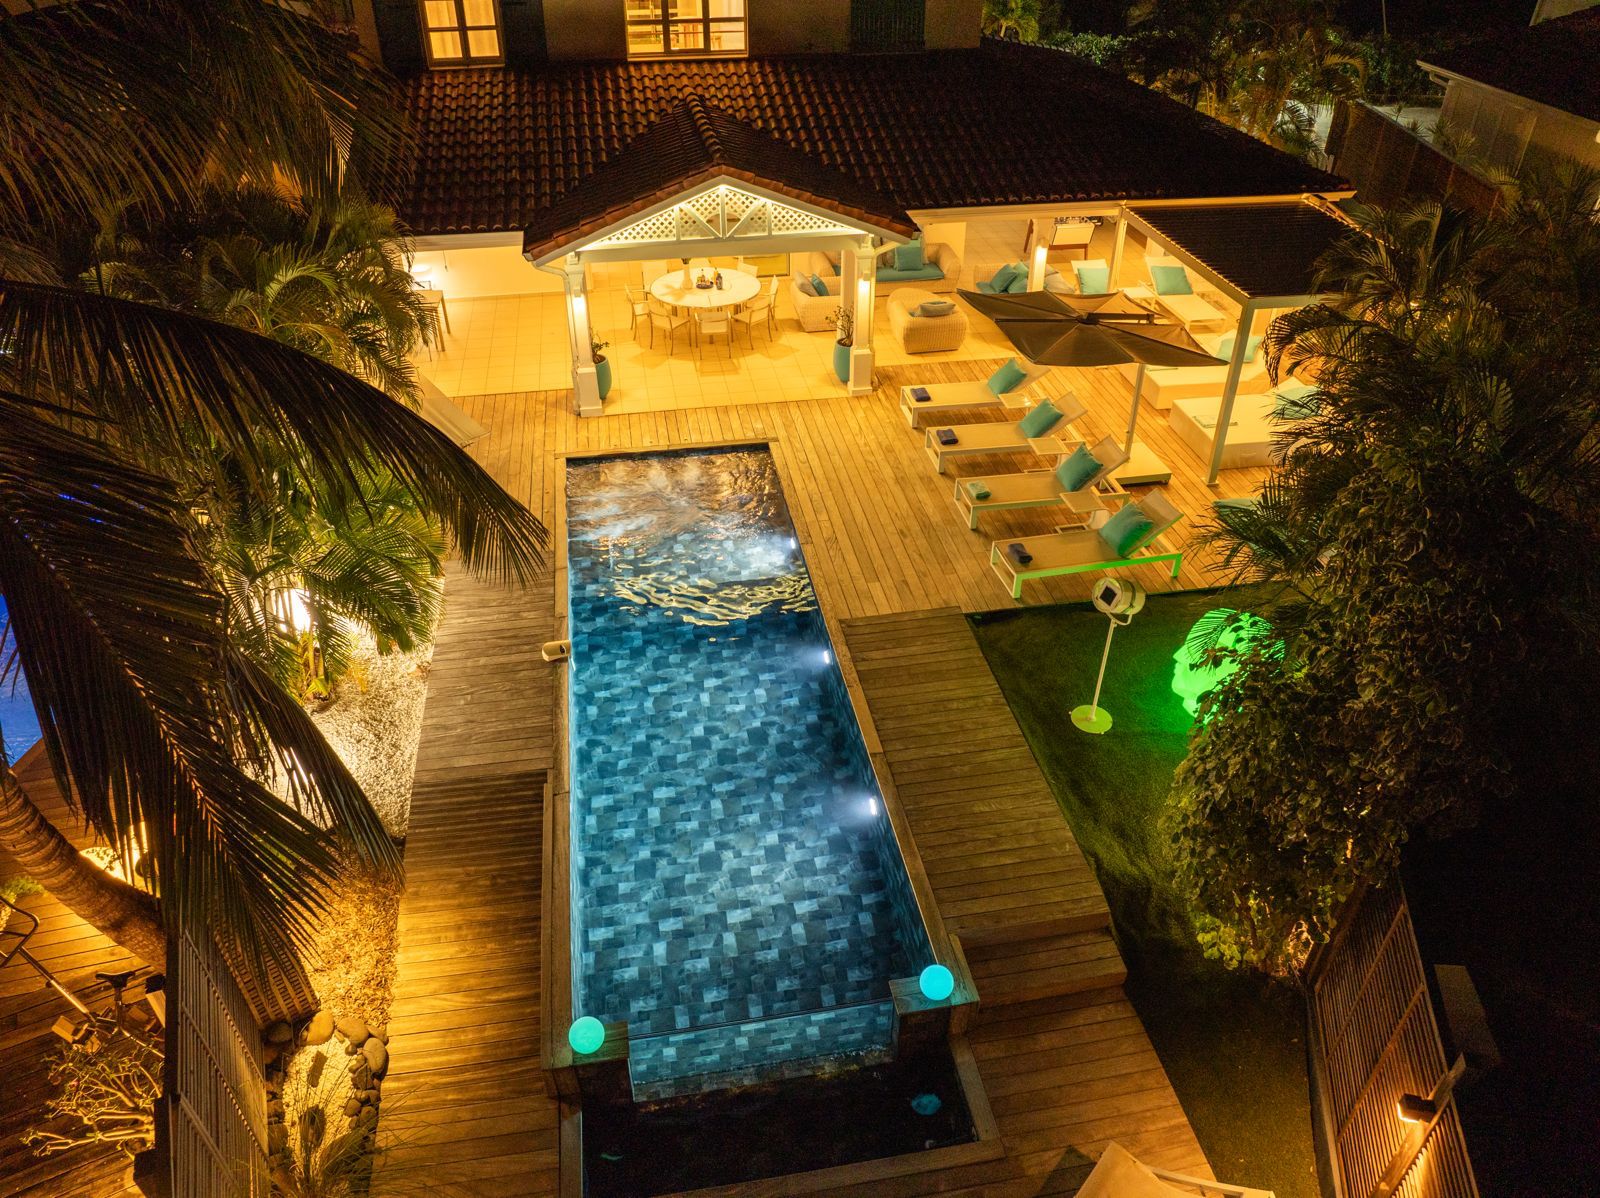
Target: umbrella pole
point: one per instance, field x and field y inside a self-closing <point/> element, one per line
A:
<point x="1133" y="409"/>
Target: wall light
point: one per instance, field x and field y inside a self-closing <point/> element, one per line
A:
<point x="1413" y="1108"/>
<point x="1039" y="252"/>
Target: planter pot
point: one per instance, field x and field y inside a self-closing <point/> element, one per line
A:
<point x="841" y="361"/>
<point x="602" y="376"/>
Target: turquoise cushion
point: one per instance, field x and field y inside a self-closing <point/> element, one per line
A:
<point x="836" y="269"/>
<point x="978" y="490"/>
<point x="1040" y="420"/>
<point x="1123" y="532"/>
<point x="1092" y="280"/>
<point x="935" y="308"/>
<point x="820" y="287"/>
<point x="1001" y="279"/>
<point x="909" y="255"/>
<point x="1171" y="280"/>
<point x="1018" y="285"/>
<point x="1225" y="347"/>
<point x="891" y="274"/>
<point x="1007" y="377"/>
<point x="1077" y="470"/>
<point x="1294" y="401"/>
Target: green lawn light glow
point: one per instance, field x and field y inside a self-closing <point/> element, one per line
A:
<point x="1208" y="657"/>
<point x="936" y="983"/>
<point x="586" y="1035"/>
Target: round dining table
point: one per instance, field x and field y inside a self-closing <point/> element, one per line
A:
<point x="737" y="287"/>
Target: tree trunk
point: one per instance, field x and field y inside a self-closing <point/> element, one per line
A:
<point x="122" y="912"/>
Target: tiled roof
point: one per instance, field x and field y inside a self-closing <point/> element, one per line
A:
<point x="692" y="144"/>
<point x="1262" y="249"/>
<point x="1000" y="124"/>
<point x="1554" y="62"/>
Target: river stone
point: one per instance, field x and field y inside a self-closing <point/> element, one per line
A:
<point x="318" y="1030"/>
<point x="360" y="1074"/>
<point x="377" y="1056"/>
<point x="381" y="1033"/>
<point x="369" y="1095"/>
<point x="353" y="1028"/>
<point x="277" y="1136"/>
<point x="279" y="1033"/>
<point x="352" y="1107"/>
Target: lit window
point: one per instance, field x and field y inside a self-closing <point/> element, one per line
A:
<point x="686" y="27"/>
<point x="462" y="32"/>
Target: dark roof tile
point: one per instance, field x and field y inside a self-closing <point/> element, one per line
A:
<point x="1001" y="124"/>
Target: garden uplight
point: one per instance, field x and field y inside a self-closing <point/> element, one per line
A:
<point x="586" y="1035"/>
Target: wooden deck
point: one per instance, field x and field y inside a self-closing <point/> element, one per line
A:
<point x="464" y="1106"/>
<point x="74" y="952"/>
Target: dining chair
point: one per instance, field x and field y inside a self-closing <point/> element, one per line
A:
<point x="753" y="312"/>
<point x="710" y="324"/>
<point x="772" y="307"/>
<point x="668" y="321"/>
<point x="637" y="306"/>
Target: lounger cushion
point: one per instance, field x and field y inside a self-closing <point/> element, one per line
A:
<point x="1078" y="469"/>
<point x="1007" y="377"/>
<point x="1040" y="421"/>
<point x="1170" y="279"/>
<point x="1123" y="532"/>
<point x="818" y="285"/>
<point x="909" y="255"/>
<point x="1251" y="347"/>
<point x="1001" y="279"/>
<point x="1294" y="401"/>
<point x="1092" y="280"/>
<point x="927" y="272"/>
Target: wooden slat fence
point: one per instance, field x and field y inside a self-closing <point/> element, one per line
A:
<point x="1390" y="164"/>
<point x="1376" y="1039"/>
<point x="212" y="1120"/>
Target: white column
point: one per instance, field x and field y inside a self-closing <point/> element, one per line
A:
<point x="585" y="385"/>
<point x="1117" y="246"/>
<point x="1042" y="232"/>
<point x="1230" y="390"/>
<point x="863" y="296"/>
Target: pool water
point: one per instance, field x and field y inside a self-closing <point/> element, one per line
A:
<point x="738" y="896"/>
<point x="19" y="726"/>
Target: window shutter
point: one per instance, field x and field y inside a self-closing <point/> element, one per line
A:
<point x="887" y="26"/>
<point x="522" y="25"/>
<point x="399" y="34"/>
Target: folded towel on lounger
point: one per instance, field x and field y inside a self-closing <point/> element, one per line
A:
<point x="1018" y="553"/>
<point x="947" y="436"/>
<point x="920" y="395"/>
<point x="978" y="490"/>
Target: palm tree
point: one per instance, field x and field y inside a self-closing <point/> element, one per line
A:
<point x="160" y="727"/>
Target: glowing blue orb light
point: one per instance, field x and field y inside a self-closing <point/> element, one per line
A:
<point x="937" y="983"/>
<point x="926" y="1104"/>
<point x="586" y="1035"/>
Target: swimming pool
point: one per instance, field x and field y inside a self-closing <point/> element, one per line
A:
<point x="18" y="724"/>
<point x="737" y="893"/>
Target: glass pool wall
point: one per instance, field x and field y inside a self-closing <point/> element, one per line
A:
<point x="738" y="895"/>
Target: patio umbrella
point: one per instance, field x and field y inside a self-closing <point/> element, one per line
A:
<point x="1091" y="330"/>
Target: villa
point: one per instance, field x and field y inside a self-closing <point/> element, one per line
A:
<point x="730" y="801"/>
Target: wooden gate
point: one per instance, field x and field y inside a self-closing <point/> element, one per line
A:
<point x="1374" y="1039"/>
<point x="211" y="1122"/>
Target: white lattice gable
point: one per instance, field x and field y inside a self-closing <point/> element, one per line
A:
<point x="721" y="217"/>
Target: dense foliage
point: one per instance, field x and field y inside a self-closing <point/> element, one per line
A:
<point x="1434" y="532"/>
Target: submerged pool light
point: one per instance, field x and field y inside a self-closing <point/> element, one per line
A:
<point x="586" y="1035"/>
<point x="936" y="983"/>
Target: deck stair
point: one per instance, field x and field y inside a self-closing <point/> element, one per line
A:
<point x="1046" y="967"/>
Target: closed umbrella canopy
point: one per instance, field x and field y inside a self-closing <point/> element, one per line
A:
<point x="1091" y="330"/>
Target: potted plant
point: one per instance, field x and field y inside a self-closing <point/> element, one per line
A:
<point x="602" y="364"/>
<point x="844" y="322"/>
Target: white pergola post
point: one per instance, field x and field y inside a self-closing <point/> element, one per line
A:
<point x="863" y="297"/>
<point x="1043" y="233"/>
<point x="585" y="383"/>
<point x="1230" y="389"/>
<point x="1117" y="245"/>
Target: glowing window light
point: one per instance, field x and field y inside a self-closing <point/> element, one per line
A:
<point x="586" y="1035"/>
<point x="936" y="983"/>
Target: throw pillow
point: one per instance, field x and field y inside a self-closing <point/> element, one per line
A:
<point x="818" y="285"/>
<point x="909" y="255"/>
<point x="1077" y="470"/>
<point x="806" y="286"/>
<point x="1018" y="285"/>
<point x="1001" y="279"/>
<point x="1007" y="377"/>
<point x="1295" y="402"/>
<point x="935" y="308"/>
<point x="1124" y="531"/>
<point x="1171" y="279"/>
<point x="1225" y="347"/>
<point x="1040" y="420"/>
<point x="1092" y="279"/>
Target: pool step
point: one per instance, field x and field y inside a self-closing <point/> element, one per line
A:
<point x="1047" y="967"/>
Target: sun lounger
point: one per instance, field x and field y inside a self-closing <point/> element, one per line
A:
<point x="1182" y="305"/>
<point x="1038" y="488"/>
<point x="1119" y="1175"/>
<point x="1165" y="385"/>
<point x="1079" y="550"/>
<point x="1253" y="429"/>
<point x="947" y="397"/>
<point x="1007" y="437"/>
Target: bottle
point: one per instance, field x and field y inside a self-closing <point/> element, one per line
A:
<point x="719" y="280"/>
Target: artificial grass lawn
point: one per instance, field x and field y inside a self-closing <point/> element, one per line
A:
<point x="1232" y="1043"/>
